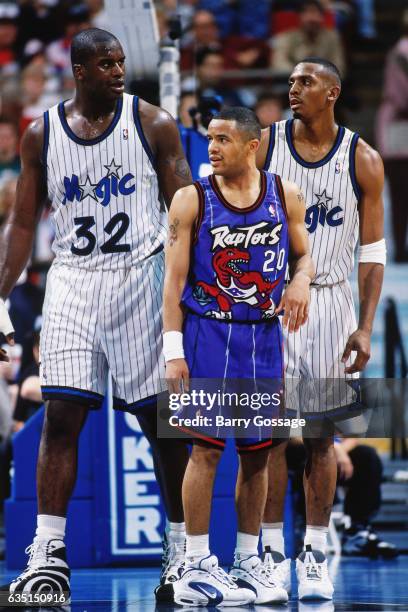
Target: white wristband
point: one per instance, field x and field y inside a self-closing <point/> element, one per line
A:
<point x="173" y="345"/>
<point x="375" y="252"/>
<point x="6" y="326"/>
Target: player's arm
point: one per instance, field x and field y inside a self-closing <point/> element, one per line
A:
<point x="295" y="300"/>
<point x="372" y="253"/>
<point x="17" y="236"/>
<point x="173" y="171"/>
<point x="182" y="218"/>
<point x="263" y="148"/>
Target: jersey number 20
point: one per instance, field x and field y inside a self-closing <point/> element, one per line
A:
<point x="116" y="228"/>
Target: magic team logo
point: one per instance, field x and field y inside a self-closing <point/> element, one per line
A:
<point x="321" y="213"/>
<point x="262" y="233"/>
<point x="112" y="184"/>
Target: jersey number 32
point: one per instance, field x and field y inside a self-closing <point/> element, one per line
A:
<point x="116" y="228"/>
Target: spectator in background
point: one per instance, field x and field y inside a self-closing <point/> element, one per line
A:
<point x="268" y="109"/>
<point x="188" y="100"/>
<point x="34" y="96"/>
<point x="9" y="13"/>
<point x="360" y="473"/>
<point x="29" y="397"/>
<point x="40" y="20"/>
<point x="204" y="35"/>
<point x="58" y="53"/>
<point x="211" y="78"/>
<point x="392" y="137"/>
<point x="311" y="39"/>
<point x="98" y="15"/>
<point x="9" y="159"/>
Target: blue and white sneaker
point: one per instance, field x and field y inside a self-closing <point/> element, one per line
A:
<point x="207" y="584"/>
<point x="313" y="575"/>
<point x="253" y="572"/>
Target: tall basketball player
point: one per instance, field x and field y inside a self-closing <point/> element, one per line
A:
<point x="342" y="179"/>
<point x="231" y="236"/>
<point x="108" y="162"/>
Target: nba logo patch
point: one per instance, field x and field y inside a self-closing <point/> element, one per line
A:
<point x="337" y="168"/>
<point x="272" y="211"/>
<point x="125" y="134"/>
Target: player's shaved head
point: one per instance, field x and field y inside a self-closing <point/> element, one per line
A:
<point x="245" y="119"/>
<point x="87" y="43"/>
<point x="328" y="68"/>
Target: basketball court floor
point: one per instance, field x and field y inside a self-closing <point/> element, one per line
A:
<point x="361" y="584"/>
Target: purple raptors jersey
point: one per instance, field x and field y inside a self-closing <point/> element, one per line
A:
<point x="239" y="256"/>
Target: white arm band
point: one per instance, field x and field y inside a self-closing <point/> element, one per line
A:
<point x="173" y="345"/>
<point x="6" y="326"/>
<point x="375" y="252"/>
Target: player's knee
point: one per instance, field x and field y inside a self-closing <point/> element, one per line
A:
<point x="278" y="449"/>
<point x="319" y="446"/>
<point x="206" y="455"/>
<point x="254" y="461"/>
<point x="63" y="420"/>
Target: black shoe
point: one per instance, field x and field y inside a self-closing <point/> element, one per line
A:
<point x="47" y="572"/>
<point x="173" y="562"/>
<point x="362" y="541"/>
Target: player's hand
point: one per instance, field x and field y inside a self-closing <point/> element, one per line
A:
<point x="177" y="376"/>
<point x="344" y="464"/>
<point x="359" y="341"/>
<point x="6" y="328"/>
<point x="295" y="303"/>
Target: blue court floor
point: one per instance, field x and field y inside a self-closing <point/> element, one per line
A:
<point x="360" y="585"/>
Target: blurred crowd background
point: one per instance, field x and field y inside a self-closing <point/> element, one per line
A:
<point x="240" y="50"/>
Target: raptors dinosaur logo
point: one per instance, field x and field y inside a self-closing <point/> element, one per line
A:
<point x="233" y="285"/>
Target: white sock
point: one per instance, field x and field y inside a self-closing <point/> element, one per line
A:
<point x="316" y="537"/>
<point x="50" y="527"/>
<point x="197" y="547"/>
<point x="176" y="532"/>
<point x="272" y="536"/>
<point x="247" y="546"/>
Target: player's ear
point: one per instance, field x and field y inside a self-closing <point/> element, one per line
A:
<point x="254" y="144"/>
<point x="78" y="71"/>
<point x="334" y="93"/>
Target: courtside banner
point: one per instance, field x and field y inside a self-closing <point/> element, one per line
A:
<point x="137" y="518"/>
<point x="258" y="409"/>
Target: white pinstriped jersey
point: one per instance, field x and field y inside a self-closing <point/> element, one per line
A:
<point x="331" y="193"/>
<point x="104" y="192"/>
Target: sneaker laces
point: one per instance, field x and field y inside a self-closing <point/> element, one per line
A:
<point x="173" y="556"/>
<point x="264" y="573"/>
<point x="38" y="553"/>
<point x="223" y="577"/>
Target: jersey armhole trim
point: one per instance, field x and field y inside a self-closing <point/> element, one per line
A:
<point x="352" y="166"/>
<point x="271" y="145"/>
<point x="140" y="131"/>
<point x="46" y="139"/>
<point x="201" y="208"/>
<point x="281" y="192"/>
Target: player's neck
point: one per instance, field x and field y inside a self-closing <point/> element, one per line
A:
<point x="244" y="181"/>
<point x="315" y="132"/>
<point x="92" y="109"/>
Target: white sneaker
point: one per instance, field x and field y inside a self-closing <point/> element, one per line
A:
<point x="279" y="568"/>
<point x="47" y="572"/>
<point x="313" y="575"/>
<point x="173" y="562"/>
<point x="254" y="572"/>
<point x="207" y="584"/>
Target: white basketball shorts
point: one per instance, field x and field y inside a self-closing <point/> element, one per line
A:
<point x="96" y="322"/>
